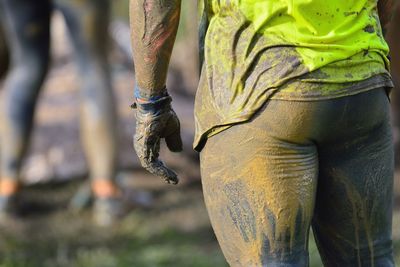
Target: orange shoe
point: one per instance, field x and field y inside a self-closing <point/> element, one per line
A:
<point x="8" y="196"/>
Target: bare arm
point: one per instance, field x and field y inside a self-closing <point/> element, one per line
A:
<point x="154" y="24"/>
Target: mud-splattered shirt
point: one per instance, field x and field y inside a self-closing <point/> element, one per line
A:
<point x="255" y="50"/>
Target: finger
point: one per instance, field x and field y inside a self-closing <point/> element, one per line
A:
<point x="146" y="143"/>
<point x="139" y="146"/>
<point x="174" y="142"/>
<point x="148" y="155"/>
<point x="173" y="134"/>
<point x="154" y="149"/>
<point x="159" y="169"/>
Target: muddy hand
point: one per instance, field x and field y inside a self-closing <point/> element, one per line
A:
<point x="155" y="119"/>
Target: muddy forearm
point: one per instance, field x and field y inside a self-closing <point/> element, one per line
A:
<point x="154" y="24"/>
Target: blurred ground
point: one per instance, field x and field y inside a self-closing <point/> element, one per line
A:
<point x="172" y="230"/>
<point x="175" y="231"/>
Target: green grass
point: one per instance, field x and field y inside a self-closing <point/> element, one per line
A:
<point x="174" y="232"/>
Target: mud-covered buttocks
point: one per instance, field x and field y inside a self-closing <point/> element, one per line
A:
<point x="298" y="165"/>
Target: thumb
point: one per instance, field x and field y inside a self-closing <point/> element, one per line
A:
<point x="173" y="134"/>
<point x="174" y="141"/>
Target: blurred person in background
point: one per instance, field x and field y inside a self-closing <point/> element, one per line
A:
<point x="395" y="41"/>
<point x="393" y="38"/>
<point x="27" y="32"/>
<point x="292" y="121"/>
<point x="4" y="60"/>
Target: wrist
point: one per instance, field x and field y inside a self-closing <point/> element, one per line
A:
<point x="146" y="95"/>
<point x="151" y="103"/>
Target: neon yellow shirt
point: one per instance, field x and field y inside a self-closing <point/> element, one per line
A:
<point x="254" y="48"/>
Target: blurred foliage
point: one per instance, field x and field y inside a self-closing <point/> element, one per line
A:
<point x="121" y="9"/>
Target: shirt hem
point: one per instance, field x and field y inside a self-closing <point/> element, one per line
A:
<point x="201" y="139"/>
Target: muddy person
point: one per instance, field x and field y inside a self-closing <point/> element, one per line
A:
<point x="394" y="43"/>
<point x="4" y="60"/>
<point x="292" y="122"/>
<point x="27" y="30"/>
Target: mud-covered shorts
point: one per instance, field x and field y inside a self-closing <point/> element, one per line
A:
<point x="326" y="164"/>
